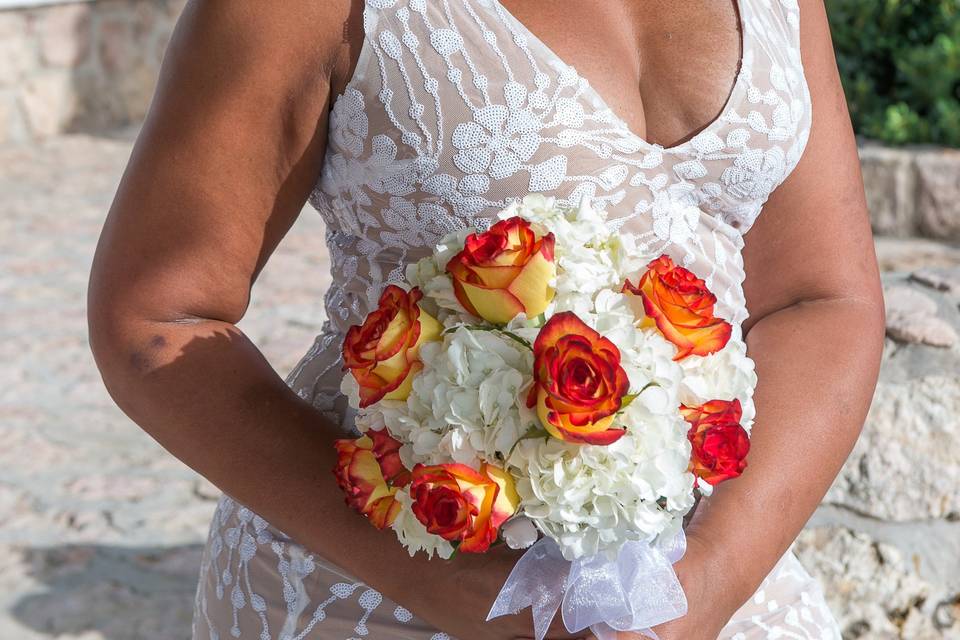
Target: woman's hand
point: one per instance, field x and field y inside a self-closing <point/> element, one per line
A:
<point x="472" y="585"/>
<point x="712" y="598"/>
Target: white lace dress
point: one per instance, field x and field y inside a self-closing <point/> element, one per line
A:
<point x="455" y="108"/>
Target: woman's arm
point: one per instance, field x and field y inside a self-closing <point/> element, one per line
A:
<point x="815" y="332"/>
<point x="228" y="155"/>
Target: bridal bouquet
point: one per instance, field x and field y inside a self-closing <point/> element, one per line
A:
<point x="546" y="385"/>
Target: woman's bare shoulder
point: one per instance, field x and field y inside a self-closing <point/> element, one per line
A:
<point x="227" y="156"/>
<point x="283" y="43"/>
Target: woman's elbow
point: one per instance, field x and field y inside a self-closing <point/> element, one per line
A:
<point x="117" y="334"/>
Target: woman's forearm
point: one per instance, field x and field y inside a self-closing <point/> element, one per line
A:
<point x="204" y="392"/>
<point x="817" y="365"/>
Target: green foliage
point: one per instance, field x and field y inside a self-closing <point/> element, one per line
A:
<point x="900" y="65"/>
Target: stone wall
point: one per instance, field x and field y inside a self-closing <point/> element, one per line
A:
<point x="81" y="66"/>
<point x="913" y="191"/>
<point x="886" y="541"/>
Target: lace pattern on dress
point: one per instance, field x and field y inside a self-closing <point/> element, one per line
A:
<point x="278" y="590"/>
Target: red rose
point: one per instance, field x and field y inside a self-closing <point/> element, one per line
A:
<point x="382" y="353"/>
<point x="369" y="472"/>
<point x="720" y="443"/>
<point x="462" y="505"/>
<point x="579" y="384"/>
<point x="679" y="304"/>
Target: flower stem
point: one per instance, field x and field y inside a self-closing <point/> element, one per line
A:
<point x="509" y="334"/>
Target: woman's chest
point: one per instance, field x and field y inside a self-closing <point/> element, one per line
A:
<point x="457" y="106"/>
<point x="666" y="68"/>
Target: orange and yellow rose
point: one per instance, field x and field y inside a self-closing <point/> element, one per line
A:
<point x="382" y="353"/>
<point x="720" y="443"/>
<point x="370" y="473"/>
<point x="579" y="384"/>
<point x="504" y="271"/>
<point x="461" y="504"/>
<point x="679" y="304"/>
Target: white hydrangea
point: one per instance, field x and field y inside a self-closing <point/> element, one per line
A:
<point x="593" y="498"/>
<point x="350" y="389"/>
<point x="519" y="532"/>
<point x="724" y="375"/>
<point x="429" y="274"/>
<point x="468" y="404"/>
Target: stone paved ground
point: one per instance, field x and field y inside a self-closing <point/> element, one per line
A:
<point x="100" y="530"/>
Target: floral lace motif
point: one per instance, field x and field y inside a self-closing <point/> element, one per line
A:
<point x="455" y="109"/>
<point x="303" y="598"/>
<point x="257" y="583"/>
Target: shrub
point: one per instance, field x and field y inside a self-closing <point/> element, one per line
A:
<point x="900" y="65"/>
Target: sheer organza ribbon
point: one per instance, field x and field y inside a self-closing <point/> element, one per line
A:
<point x="633" y="591"/>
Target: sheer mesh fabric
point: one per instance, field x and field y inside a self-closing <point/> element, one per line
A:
<point x="456" y="108"/>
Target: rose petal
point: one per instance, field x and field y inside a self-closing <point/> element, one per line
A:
<point x="498" y="306"/>
<point x="532" y="287"/>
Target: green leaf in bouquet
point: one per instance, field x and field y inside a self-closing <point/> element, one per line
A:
<point x="456" y="547"/>
<point x="483" y="327"/>
<point x="532" y="432"/>
<point x="630" y="397"/>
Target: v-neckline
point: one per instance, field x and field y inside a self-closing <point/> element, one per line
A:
<point x="709" y="127"/>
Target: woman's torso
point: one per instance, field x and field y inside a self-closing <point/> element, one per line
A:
<point x="454" y="107"/>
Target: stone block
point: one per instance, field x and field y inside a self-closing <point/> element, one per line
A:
<point x="941" y="279"/>
<point x="175" y="8"/>
<point x="912" y="317"/>
<point x="6" y="129"/>
<point x="49" y="102"/>
<point x="8" y="124"/>
<point x="65" y="34"/>
<point x="911" y="254"/>
<point x="118" y="46"/>
<point x="873" y="587"/>
<point x="906" y="464"/>
<point x="17" y="50"/>
<point x="938" y="193"/>
<point x="890" y="185"/>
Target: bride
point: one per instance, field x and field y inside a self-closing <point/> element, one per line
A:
<point x="402" y="120"/>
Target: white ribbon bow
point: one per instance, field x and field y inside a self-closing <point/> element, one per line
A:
<point x="635" y="591"/>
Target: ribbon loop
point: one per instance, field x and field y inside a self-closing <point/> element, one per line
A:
<point x="634" y="591"/>
<point x="537" y="581"/>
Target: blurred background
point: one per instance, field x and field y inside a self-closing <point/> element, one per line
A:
<point x="101" y="531"/>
